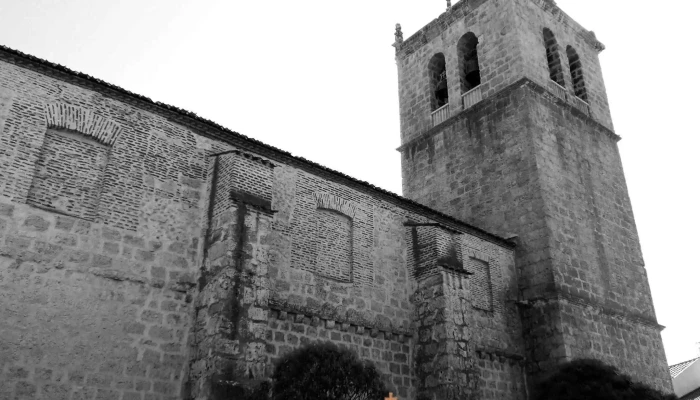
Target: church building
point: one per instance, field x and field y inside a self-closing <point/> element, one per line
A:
<point x="147" y="253"/>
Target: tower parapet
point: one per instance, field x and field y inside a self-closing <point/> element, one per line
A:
<point x="510" y="48"/>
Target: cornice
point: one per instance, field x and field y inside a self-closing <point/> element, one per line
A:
<point x="588" y="36"/>
<point x="435" y="27"/>
<point x="628" y="317"/>
<point x="505" y="92"/>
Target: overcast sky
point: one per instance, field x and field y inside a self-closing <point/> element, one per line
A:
<point x="318" y="79"/>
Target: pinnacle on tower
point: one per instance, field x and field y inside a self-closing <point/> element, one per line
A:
<point x="398" y="36"/>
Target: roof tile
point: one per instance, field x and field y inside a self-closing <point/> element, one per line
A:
<point x="676" y="369"/>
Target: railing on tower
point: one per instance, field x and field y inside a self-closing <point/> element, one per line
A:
<point x="580" y="104"/>
<point x="440" y="115"/>
<point x="557" y="89"/>
<point x="471" y="97"/>
<point x="560" y="91"/>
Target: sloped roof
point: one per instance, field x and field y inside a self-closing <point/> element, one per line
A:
<point x="694" y="395"/>
<point x="680" y="367"/>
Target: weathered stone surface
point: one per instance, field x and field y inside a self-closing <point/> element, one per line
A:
<point x="82" y="291"/>
<point x="280" y="306"/>
<point x="144" y="257"/>
<point x="530" y="158"/>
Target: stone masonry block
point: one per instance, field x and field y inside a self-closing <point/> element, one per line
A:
<point x="36" y="223"/>
<point x="6" y="210"/>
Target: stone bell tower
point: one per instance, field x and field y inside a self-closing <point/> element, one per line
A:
<point x="505" y="124"/>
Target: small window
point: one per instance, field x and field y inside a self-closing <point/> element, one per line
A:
<point x="438" y="81"/>
<point x="576" y="74"/>
<point x="553" y="61"/>
<point x="469" y="73"/>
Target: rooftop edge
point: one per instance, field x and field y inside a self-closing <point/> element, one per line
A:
<point x="215" y="131"/>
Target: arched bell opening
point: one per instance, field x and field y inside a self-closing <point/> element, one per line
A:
<point x="438" y="81"/>
<point x="576" y="70"/>
<point x="553" y="59"/>
<point x="469" y="73"/>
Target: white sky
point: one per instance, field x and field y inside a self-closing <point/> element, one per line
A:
<point x="318" y="79"/>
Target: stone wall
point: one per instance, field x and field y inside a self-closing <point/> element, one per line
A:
<point x="89" y="311"/>
<point x="595" y="246"/>
<point x="149" y="254"/>
<point x="230" y="330"/>
<point x="102" y="208"/>
<point x="272" y="251"/>
<point x="145" y="254"/>
<point x="525" y="162"/>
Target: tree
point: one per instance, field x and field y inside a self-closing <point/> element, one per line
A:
<point x="261" y="392"/>
<point x="325" y="372"/>
<point x="587" y="379"/>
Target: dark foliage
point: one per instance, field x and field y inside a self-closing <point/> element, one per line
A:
<point x="325" y="372"/>
<point x="586" y="379"/>
<point x="261" y="392"/>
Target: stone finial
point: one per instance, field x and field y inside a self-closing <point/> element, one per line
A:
<point x="398" y="36"/>
<point x="449" y="5"/>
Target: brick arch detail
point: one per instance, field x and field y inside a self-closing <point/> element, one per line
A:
<point x="74" y="118"/>
<point x="331" y="202"/>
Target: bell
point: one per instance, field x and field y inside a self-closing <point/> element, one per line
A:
<point x="471" y="65"/>
<point x="441" y="96"/>
<point x="474" y="78"/>
<point x="441" y="85"/>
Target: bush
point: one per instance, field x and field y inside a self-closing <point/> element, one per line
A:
<point x="325" y="372"/>
<point x="586" y="379"/>
<point x="261" y="392"/>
